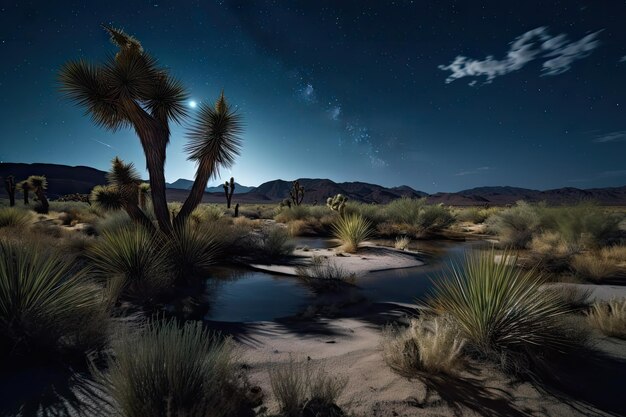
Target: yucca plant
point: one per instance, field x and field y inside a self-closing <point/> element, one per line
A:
<point x="191" y="250"/>
<point x="45" y="305"/>
<point x="352" y="230"/>
<point x="14" y="217"/>
<point x="164" y="370"/>
<point x="106" y="197"/>
<point x="498" y="307"/>
<point x="131" y="90"/>
<point x="132" y="260"/>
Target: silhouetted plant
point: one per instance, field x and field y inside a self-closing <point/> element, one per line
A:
<point x="131" y="90"/>
<point x="144" y="195"/>
<point x="296" y="193"/>
<point x="9" y="186"/>
<point x="229" y="189"/>
<point x="191" y="250"/>
<point x="106" y="197"/>
<point x="46" y="306"/>
<point x="24" y="188"/>
<point x="39" y="184"/>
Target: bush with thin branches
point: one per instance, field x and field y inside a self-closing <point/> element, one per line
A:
<point x="164" y="370"/>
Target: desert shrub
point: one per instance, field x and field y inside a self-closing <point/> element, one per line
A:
<point x="46" y="307"/>
<point x="325" y="272"/>
<point x="434" y="218"/>
<point x="402" y="242"/>
<point x="572" y="296"/>
<point x="476" y="215"/>
<point x="420" y="216"/>
<point x="112" y="222"/>
<point x="609" y="318"/>
<point x="14" y="217"/>
<point x="287" y="214"/>
<point x="584" y="225"/>
<point x="274" y="243"/>
<point x="373" y="212"/>
<point x="431" y="344"/>
<point x="164" y="370"/>
<point x="191" y="250"/>
<point x="132" y="260"/>
<point x="352" y="230"/>
<point x="594" y="266"/>
<point x="500" y="309"/>
<point x="296" y="381"/>
<point x="206" y="213"/>
<point x="297" y="228"/>
<point x="515" y="226"/>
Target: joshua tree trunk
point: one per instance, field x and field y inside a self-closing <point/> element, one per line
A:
<point x="25" y="197"/>
<point x="154" y="136"/>
<point x="137" y="215"/>
<point x="195" y="195"/>
<point x="9" y="185"/>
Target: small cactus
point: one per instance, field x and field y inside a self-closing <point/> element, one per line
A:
<point x="337" y="203"/>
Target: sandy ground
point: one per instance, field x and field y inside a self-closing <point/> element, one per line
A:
<point x="369" y="258"/>
<point x="351" y="347"/>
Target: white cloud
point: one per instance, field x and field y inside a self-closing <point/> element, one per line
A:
<point x="534" y="44"/>
<point x="623" y="59"/>
<point x="619" y="136"/>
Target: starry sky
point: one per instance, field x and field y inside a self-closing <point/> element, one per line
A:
<point x="437" y="95"/>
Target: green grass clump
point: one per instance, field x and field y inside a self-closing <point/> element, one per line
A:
<point x="132" y="262"/>
<point x="352" y="230"/>
<point x="418" y="215"/>
<point x="207" y="213"/>
<point x="515" y="226"/>
<point x="165" y="370"/>
<point x="429" y="344"/>
<point x="14" y="217"/>
<point x="609" y="318"/>
<point x="45" y="306"/>
<point x="501" y="309"/>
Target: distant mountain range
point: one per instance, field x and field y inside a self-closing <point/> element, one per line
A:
<point x="63" y="179"/>
<point x="183" y="184"/>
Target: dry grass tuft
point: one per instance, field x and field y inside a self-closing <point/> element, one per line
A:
<point x="402" y="242"/>
<point x="609" y="318"/>
<point x="352" y="230"/>
<point x="431" y="344"/>
<point x="594" y="266"/>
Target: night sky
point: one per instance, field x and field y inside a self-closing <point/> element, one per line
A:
<point x="438" y="95"/>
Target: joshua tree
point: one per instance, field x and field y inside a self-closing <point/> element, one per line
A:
<point x="24" y="188"/>
<point x="296" y="193"/>
<point x="131" y="90"/>
<point x="9" y="185"/>
<point x="39" y="184"/>
<point x="337" y="203"/>
<point x="229" y="189"/>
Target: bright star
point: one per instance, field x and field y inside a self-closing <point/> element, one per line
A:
<point x="193" y="104"/>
